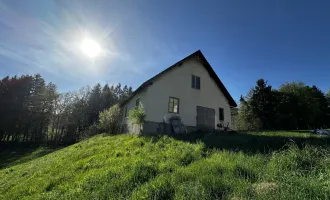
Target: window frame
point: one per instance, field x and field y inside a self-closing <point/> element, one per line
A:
<point x="223" y="114"/>
<point x="169" y="102"/>
<point x="194" y="82"/>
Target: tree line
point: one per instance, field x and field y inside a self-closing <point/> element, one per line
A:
<point x="293" y="106"/>
<point x="33" y="111"/>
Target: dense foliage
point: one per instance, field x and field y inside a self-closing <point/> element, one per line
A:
<point x="293" y="106"/>
<point x="130" y="167"/>
<point x="110" y="119"/>
<point x="33" y="111"/>
<point x="137" y="115"/>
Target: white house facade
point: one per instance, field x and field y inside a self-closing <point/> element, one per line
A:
<point x="190" y="89"/>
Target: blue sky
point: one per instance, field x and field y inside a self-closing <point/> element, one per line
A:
<point x="280" y="41"/>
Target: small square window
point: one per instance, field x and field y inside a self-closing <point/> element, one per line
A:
<point x="196" y="82"/>
<point x="173" y="105"/>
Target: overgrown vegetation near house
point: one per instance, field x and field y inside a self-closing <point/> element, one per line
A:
<point x="251" y="165"/>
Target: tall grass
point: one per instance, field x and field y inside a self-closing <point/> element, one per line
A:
<point x="130" y="167"/>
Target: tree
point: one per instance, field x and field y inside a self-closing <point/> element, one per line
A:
<point x="94" y="104"/>
<point x="293" y="106"/>
<point x="303" y="104"/>
<point x="261" y="103"/>
<point x="26" y="108"/>
<point x="319" y="106"/>
<point x="108" y="97"/>
<point x="327" y="96"/>
<point x="127" y="92"/>
<point x="32" y="110"/>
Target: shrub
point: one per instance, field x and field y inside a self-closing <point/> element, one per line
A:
<point x="247" y="121"/>
<point x="91" y="131"/>
<point x="137" y="115"/>
<point x="110" y="119"/>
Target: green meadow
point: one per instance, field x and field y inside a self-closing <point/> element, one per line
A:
<point x="249" y="165"/>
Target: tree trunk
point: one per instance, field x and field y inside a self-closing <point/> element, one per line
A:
<point x="7" y="139"/>
<point x="61" y="135"/>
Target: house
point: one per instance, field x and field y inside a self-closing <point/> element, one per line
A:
<point x="190" y="89"/>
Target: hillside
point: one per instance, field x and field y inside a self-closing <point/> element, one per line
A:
<point x="231" y="166"/>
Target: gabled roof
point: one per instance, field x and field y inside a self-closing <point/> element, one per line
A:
<point x="198" y="54"/>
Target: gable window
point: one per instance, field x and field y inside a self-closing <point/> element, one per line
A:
<point x="137" y="102"/>
<point x="173" y="105"/>
<point x="196" y="82"/>
<point x="221" y="114"/>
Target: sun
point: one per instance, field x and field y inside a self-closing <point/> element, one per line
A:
<point x="90" y="48"/>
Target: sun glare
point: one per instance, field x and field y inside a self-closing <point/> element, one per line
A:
<point x="90" y="48"/>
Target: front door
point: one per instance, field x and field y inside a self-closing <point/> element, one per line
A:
<point x="205" y="118"/>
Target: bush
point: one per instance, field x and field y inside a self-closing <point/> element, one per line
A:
<point x="110" y="119"/>
<point x="91" y="131"/>
<point x="246" y="120"/>
<point x="137" y="115"/>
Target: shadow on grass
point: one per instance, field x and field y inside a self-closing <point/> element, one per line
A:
<point x="251" y="143"/>
<point x="301" y="131"/>
<point x="11" y="155"/>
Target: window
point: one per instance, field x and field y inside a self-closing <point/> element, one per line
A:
<point x="221" y="114"/>
<point x="137" y="102"/>
<point x="196" y="82"/>
<point x="173" y="105"/>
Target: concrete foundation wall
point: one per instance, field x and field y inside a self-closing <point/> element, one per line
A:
<point x="131" y="128"/>
<point x="152" y="128"/>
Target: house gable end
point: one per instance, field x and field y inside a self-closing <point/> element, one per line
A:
<point x="177" y="84"/>
<point x="200" y="58"/>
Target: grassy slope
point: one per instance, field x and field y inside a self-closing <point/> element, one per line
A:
<point x="126" y="166"/>
<point x="9" y="157"/>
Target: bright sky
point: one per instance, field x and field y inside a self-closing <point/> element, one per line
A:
<point x="279" y="41"/>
